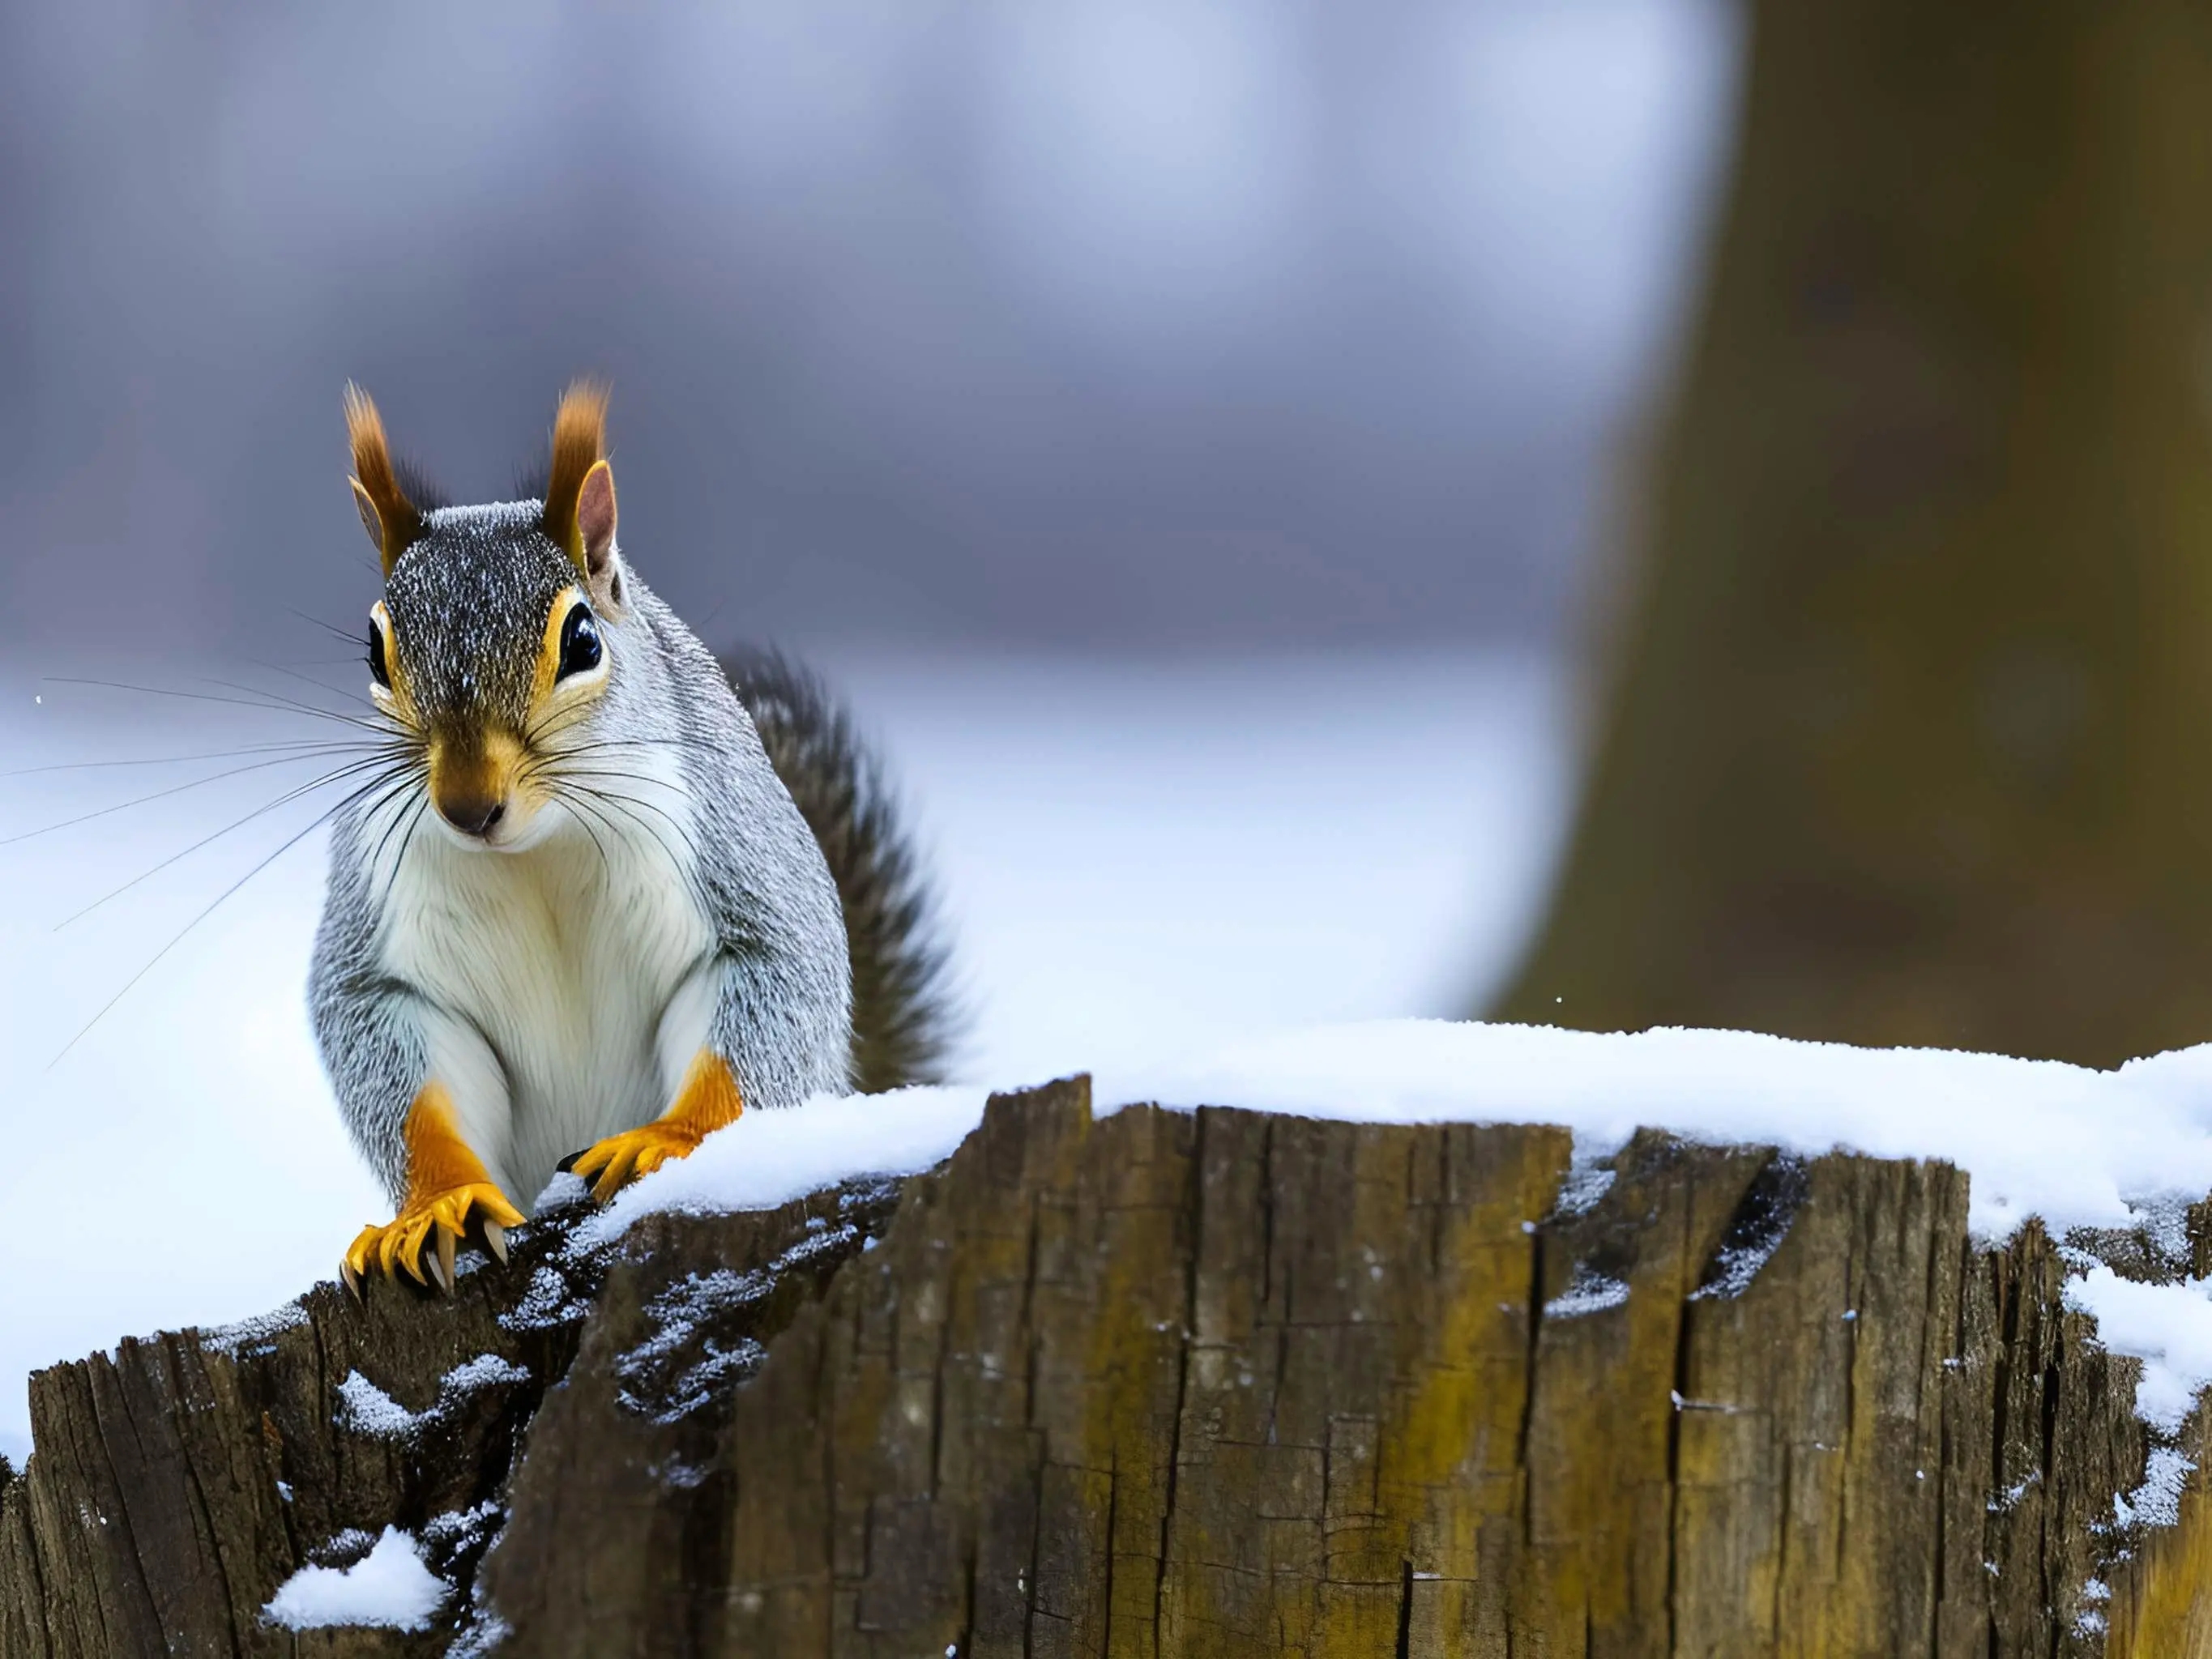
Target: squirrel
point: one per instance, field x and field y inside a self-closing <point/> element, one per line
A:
<point x="596" y="896"/>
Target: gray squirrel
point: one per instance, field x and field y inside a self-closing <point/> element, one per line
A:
<point x="593" y="902"/>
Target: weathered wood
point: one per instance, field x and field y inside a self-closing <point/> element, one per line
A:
<point x="176" y="1483"/>
<point x="1201" y="1384"/>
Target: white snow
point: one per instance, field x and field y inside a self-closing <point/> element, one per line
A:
<point x="2157" y="1502"/>
<point x="769" y="1158"/>
<point x="1736" y="1269"/>
<point x="458" y="1527"/>
<point x="648" y="1382"/>
<point x="255" y="1334"/>
<point x="2076" y="1146"/>
<point x="366" y="1409"/>
<point x="1589" y="1292"/>
<point x="389" y="1588"/>
<point x="544" y="1302"/>
<point x="2167" y="1327"/>
<point x="485" y="1370"/>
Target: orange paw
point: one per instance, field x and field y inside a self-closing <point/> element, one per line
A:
<point x="399" y="1242"/>
<point x="620" y="1159"/>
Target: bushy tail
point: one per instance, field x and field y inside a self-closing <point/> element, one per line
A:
<point x="906" y="1019"/>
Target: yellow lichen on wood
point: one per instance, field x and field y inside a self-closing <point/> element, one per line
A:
<point x="2162" y="1609"/>
<point x="1450" y="1443"/>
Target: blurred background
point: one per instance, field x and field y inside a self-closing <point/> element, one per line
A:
<point x="1608" y="512"/>
<point x="1114" y="326"/>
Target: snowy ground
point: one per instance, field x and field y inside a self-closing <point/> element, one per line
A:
<point x="1142" y="862"/>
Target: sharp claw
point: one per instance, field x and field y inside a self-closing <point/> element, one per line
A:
<point x="495" y="1239"/>
<point x="446" y="1277"/>
<point x="350" y="1279"/>
<point x="425" y="1251"/>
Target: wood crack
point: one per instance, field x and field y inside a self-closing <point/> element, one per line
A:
<point x="1269" y="1363"/>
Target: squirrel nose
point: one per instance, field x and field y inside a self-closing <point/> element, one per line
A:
<point x="472" y="814"/>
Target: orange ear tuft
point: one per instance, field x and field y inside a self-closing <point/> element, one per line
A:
<point x="392" y="521"/>
<point x="579" y="444"/>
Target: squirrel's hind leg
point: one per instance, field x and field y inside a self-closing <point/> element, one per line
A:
<point x="446" y="1185"/>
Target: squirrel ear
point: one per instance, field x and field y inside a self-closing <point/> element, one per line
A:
<point x="579" y="491"/>
<point x="371" y="519"/>
<point x="391" y="520"/>
<point x="595" y="517"/>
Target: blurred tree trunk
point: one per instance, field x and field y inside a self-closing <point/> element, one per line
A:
<point x="1910" y="737"/>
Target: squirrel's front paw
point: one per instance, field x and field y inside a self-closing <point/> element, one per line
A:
<point x="620" y="1159"/>
<point x="399" y="1242"/>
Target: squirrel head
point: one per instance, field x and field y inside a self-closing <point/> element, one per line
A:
<point x="488" y="644"/>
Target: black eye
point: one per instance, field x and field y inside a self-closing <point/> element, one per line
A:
<point x="579" y="642"/>
<point x="379" y="670"/>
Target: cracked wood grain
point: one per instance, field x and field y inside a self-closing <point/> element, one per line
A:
<point x="1205" y="1384"/>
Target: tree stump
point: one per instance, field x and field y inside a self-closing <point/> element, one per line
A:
<point x="1208" y="1383"/>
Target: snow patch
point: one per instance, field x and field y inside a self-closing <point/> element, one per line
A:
<point x="2157" y="1502"/>
<point x="680" y="1367"/>
<point x="366" y="1409"/>
<point x="486" y="1371"/>
<point x="653" y="1379"/>
<point x="2078" y="1147"/>
<point x="767" y="1159"/>
<point x="1588" y="1292"/>
<point x="2168" y="1327"/>
<point x="549" y="1300"/>
<point x="258" y="1334"/>
<point x="483" y="1637"/>
<point x="1587" y="1181"/>
<point x="388" y="1588"/>
<point x="459" y="1529"/>
<point x="1735" y="1267"/>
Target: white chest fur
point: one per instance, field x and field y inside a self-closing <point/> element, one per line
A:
<point x="550" y="976"/>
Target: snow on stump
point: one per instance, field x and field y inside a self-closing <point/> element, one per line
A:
<point x="1167" y="1383"/>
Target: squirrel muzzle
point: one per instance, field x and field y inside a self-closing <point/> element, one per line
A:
<point x="472" y="781"/>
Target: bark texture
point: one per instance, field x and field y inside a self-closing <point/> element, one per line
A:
<point x="1205" y="1384"/>
<point x="1905" y="737"/>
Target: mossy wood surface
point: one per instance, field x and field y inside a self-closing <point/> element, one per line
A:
<point x="1206" y="1384"/>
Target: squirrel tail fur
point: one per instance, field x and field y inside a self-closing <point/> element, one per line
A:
<point x="906" y="1018"/>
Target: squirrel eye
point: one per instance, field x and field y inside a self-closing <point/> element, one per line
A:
<point x="579" y="642"/>
<point x="379" y="670"/>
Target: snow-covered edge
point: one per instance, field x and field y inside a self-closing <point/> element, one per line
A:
<point x="768" y="1159"/>
<point x="2075" y="1146"/>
